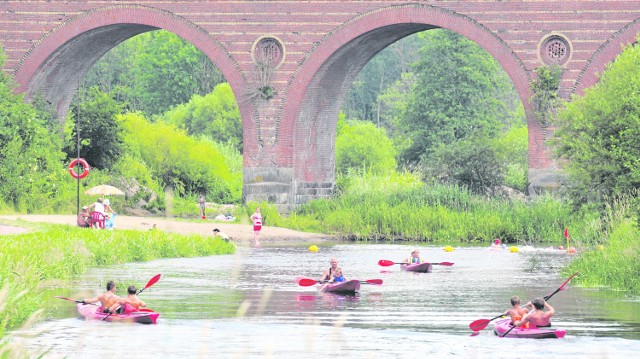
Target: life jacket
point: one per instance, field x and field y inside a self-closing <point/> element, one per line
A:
<point x="415" y="260"/>
<point x="519" y="317"/>
<point x="338" y="279"/>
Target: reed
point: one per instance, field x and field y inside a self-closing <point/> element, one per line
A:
<point x="57" y="252"/>
<point x="400" y="207"/>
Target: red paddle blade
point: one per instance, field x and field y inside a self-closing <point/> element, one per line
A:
<point x="374" y="281"/>
<point x="385" y="263"/>
<point x="152" y="281"/>
<point x="448" y="264"/>
<point x="479" y="324"/>
<point x="307" y="282"/>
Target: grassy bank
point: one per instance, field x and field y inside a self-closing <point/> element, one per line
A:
<point x="616" y="263"/>
<point x="31" y="261"/>
<point x="400" y="207"/>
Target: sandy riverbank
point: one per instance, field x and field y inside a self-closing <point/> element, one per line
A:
<point x="238" y="232"/>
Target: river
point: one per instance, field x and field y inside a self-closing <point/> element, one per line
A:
<point x="248" y="305"/>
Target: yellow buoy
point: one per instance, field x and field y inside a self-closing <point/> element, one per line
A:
<point x="448" y="249"/>
<point x="513" y="249"/>
<point x="313" y="248"/>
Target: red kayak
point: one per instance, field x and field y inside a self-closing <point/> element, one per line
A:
<point x="143" y="316"/>
<point x="418" y="267"/>
<point x="502" y="326"/>
<point x="346" y="287"/>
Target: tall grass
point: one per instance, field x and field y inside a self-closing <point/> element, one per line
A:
<point x="400" y="207"/>
<point x="616" y="263"/>
<point x="27" y="261"/>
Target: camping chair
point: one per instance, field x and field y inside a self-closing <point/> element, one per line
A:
<point x="96" y="218"/>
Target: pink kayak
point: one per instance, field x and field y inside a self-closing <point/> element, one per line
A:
<point x="502" y="326"/>
<point x="143" y="316"/>
<point x="419" y="267"/>
<point x="347" y="287"/>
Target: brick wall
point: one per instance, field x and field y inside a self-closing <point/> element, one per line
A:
<point x="51" y="44"/>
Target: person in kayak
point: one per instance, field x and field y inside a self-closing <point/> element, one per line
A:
<point x="328" y="274"/>
<point x="106" y="299"/>
<point x="129" y="304"/>
<point x="516" y="312"/>
<point x="415" y="258"/>
<point x="537" y="317"/>
<point x="338" y="276"/>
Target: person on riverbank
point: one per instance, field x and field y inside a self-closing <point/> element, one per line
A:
<point x="106" y="299"/>
<point x="222" y="235"/>
<point x="537" y="317"/>
<point x="516" y="312"/>
<point x="129" y="304"/>
<point x="414" y="258"/>
<point x="98" y="206"/>
<point x="256" y="218"/>
<point x="83" y="218"/>
<point x="202" y="204"/>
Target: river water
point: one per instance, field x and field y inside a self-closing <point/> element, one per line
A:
<point x="248" y="305"/>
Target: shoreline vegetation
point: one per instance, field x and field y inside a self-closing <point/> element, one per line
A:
<point x="30" y="262"/>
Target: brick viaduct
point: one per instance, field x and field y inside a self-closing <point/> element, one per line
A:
<point x="310" y="52"/>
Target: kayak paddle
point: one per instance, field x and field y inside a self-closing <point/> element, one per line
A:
<point x="546" y="298"/>
<point x="307" y="282"/>
<point x="386" y="263"/>
<point x="478" y="325"/>
<point x="151" y="282"/>
<point x="73" y="300"/>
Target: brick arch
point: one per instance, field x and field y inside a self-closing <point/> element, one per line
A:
<point x="319" y="84"/>
<point x="54" y="66"/>
<point x="606" y="54"/>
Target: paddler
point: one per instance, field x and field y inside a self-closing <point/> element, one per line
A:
<point x="130" y="304"/>
<point x="415" y="258"/>
<point x="516" y="312"/>
<point x="106" y="299"/>
<point x="537" y="317"/>
<point x="328" y="274"/>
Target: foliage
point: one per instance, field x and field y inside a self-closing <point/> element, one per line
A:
<point x="545" y="99"/>
<point x="101" y="142"/>
<point x="616" y="264"/>
<point x="472" y="163"/>
<point x="598" y="134"/>
<point x="30" y="158"/>
<point x="512" y="149"/>
<point x="156" y="71"/>
<point x="63" y="252"/>
<point x="361" y="146"/>
<point x="364" y="101"/>
<point x="186" y="164"/>
<point x="460" y="92"/>
<point x="215" y="115"/>
<point x="398" y="207"/>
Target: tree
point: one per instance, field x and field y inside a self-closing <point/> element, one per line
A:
<point x="101" y="142"/>
<point x="156" y="71"/>
<point x="460" y="92"/>
<point x="473" y="163"/>
<point x="30" y="156"/>
<point x="545" y="97"/>
<point x="361" y="146"/>
<point x="215" y="115"/>
<point x="597" y="134"/>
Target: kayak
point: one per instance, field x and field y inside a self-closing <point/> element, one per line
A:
<point x="502" y="326"/>
<point x="419" y="267"/>
<point x="143" y="316"/>
<point x="350" y="286"/>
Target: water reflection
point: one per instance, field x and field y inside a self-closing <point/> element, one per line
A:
<point x="249" y="305"/>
